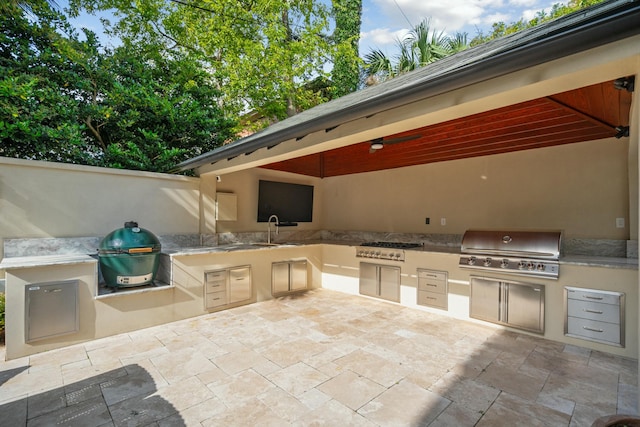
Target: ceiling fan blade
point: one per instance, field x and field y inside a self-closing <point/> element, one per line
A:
<point x="401" y="139"/>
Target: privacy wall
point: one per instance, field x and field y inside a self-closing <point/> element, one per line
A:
<point x="43" y="199"/>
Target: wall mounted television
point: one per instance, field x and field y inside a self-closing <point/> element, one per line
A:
<point x="292" y="203"/>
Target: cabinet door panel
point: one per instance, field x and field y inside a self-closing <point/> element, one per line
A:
<point x="525" y="307"/>
<point x="239" y="284"/>
<point x="390" y="283"/>
<point x="279" y="277"/>
<point x="485" y="300"/>
<point x="368" y="279"/>
<point x="298" y="275"/>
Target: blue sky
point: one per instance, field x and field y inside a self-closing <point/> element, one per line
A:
<point x="384" y="21"/>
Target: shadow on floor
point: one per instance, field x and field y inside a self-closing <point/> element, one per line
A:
<point x="124" y="396"/>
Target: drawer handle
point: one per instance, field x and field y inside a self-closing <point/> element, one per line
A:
<point x="53" y="290"/>
<point x="596" y="298"/>
<point x="586" y="310"/>
<point x="593" y="329"/>
<point x="433" y="286"/>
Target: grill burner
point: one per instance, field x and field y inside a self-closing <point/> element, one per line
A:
<point x="393" y="251"/>
<point x="523" y="253"/>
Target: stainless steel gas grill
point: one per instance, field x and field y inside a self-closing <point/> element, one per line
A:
<point x="522" y="253"/>
<point x="393" y="251"/>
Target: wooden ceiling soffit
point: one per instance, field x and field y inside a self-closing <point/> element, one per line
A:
<point x="585" y="114"/>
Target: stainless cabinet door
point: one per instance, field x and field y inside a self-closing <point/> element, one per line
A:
<point x="298" y="275"/>
<point x="51" y="309"/>
<point x="484" y="302"/>
<point x="239" y="284"/>
<point x="525" y="306"/>
<point x="279" y="277"/>
<point x="368" y="279"/>
<point x="390" y="283"/>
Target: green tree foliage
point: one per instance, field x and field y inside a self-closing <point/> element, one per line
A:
<point x="345" y="75"/>
<point x="420" y="47"/>
<point x="260" y="52"/>
<point x="500" y="29"/>
<point x="423" y="45"/>
<point x="69" y="100"/>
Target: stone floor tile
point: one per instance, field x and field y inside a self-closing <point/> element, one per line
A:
<point x="184" y="394"/>
<point x="287" y="353"/>
<point x="466" y="392"/>
<point x="509" y="409"/>
<point x="45" y="402"/>
<point x="90" y="413"/>
<point x="195" y="414"/>
<point x="85" y="376"/>
<point x="333" y="413"/>
<point x="457" y="415"/>
<point x="14" y="412"/>
<point x="180" y="364"/>
<point x="351" y="390"/>
<point x="240" y="360"/>
<point x="512" y="381"/>
<point x="248" y="413"/>
<point x="297" y="379"/>
<point x="404" y="404"/>
<point x="627" y="399"/>
<point x="138" y="381"/>
<point x="560" y="404"/>
<point x="236" y="389"/>
<point x="384" y="372"/>
<point x="283" y="404"/>
<point x="76" y="395"/>
<point x="605" y="398"/>
<point x="313" y="398"/>
<point x="141" y="410"/>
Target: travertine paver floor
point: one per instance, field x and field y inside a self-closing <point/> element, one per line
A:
<point x="320" y="358"/>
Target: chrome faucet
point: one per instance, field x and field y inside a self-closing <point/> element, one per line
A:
<point x="269" y="227"/>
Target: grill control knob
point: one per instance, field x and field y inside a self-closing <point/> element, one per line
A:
<point x="540" y="267"/>
<point x="471" y="260"/>
<point x="487" y="262"/>
<point x="522" y="265"/>
<point x="531" y="266"/>
<point x="504" y="263"/>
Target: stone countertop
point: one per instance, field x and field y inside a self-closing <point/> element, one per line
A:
<point x="46" y="260"/>
<point x="600" y="261"/>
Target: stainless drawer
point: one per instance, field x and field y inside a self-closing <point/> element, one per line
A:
<point x="215" y="299"/>
<point x="591" y="329"/>
<point x="220" y="285"/>
<point x="214" y="276"/>
<point x="593" y="296"/>
<point x="432" y="285"/>
<point x="432" y="299"/>
<point x="593" y="310"/>
<point x="432" y="275"/>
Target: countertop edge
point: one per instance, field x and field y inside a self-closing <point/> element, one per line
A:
<point x="70" y="259"/>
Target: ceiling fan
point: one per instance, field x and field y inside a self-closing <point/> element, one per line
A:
<point x="379" y="143"/>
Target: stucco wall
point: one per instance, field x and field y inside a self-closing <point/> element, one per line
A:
<point x="42" y="199"/>
<point x="578" y="188"/>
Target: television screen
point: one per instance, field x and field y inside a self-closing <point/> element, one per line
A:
<point x="290" y="202"/>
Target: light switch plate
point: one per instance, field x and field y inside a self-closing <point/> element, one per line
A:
<point x="619" y="222"/>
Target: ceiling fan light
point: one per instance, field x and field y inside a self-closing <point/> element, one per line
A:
<point x="377" y="145"/>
